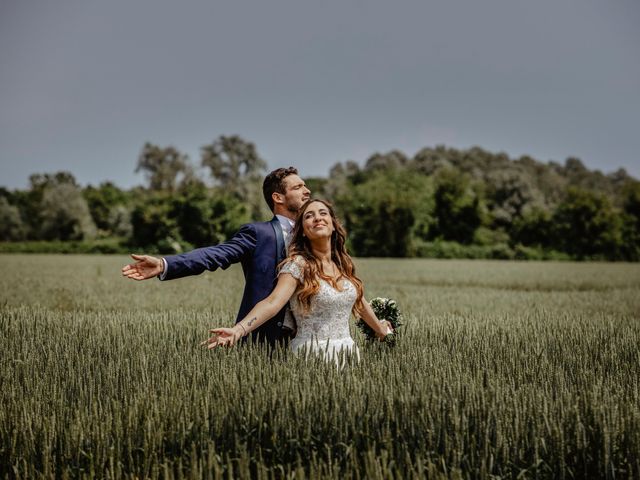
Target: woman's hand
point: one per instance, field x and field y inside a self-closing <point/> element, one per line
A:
<point x="263" y="311"/>
<point x="385" y="329"/>
<point x="222" y="337"/>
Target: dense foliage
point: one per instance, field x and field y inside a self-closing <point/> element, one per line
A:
<point x="472" y="203"/>
<point x="443" y="202"/>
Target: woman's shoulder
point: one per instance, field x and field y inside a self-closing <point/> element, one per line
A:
<point x="297" y="260"/>
<point x="294" y="265"/>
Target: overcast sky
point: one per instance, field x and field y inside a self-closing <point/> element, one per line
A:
<point x="84" y="84"/>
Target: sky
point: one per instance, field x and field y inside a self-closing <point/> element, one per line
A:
<point x="84" y="84"/>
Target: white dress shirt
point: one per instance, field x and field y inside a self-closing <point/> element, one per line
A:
<point x="287" y="225"/>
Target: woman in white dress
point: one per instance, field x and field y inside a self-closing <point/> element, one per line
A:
<point x="319" y="280"/>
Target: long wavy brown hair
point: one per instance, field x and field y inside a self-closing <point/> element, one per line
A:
<point x="312" y="271"/>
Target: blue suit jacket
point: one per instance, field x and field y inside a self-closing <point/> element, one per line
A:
<point x="259" y="247"/>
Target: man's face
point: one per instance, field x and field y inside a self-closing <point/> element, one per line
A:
<point x="296" y="193"/>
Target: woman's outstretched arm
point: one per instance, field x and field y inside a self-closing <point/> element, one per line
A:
<point x="382" y="327"/>
<point x="263" y="311"/>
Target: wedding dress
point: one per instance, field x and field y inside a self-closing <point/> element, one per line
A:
<point x="324" y="328"/>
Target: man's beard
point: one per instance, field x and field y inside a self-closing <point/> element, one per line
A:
<point x="294" y="208"/>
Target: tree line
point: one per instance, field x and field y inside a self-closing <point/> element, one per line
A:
<point x="442" y="202"/>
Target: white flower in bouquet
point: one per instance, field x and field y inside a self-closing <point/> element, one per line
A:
<point x="385" y="309"/>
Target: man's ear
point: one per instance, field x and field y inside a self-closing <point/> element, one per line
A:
<point x="278" y="198"/>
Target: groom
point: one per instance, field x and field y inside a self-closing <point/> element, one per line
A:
<point x="258" y="246"/>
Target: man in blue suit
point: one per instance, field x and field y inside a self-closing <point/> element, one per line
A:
<point x="258" y="246"/>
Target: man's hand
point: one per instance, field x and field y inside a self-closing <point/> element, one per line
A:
<point x="145" y="267"/>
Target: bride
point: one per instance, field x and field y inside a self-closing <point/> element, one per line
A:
<point x="318" y="278"/>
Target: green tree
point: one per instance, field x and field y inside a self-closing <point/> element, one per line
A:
<point x="40" y="181"/>
<point x="65" y="214"/>
<point x="163" y="167"/>
<point x="154" y="226"/>
<point x="587" y="226"/>
<point x="238" y="169"/>
<point x="534" y="228"/>
<point x="392" y="160"/>
<point x="430" y="160"/>
<point x="55" y="209"/>
<point x="30" y="202"/>
<point x="196" y="217"/>
<point x="458" y="207"/>
<point x="383" y="214"/>
<point x="206" y="217"/>
<point x="342" y="177"/>
<point x="103" y="202"/>
<point x="509" y="193"/>
<point x="11" y="224"/>
<point x="120" y="221"/>
<point x="631" y="220"/>
<point x="318" y="187"/>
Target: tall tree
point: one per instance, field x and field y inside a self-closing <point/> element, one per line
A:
<point x="510" y="192"/>
<point x="458" y="207"/>
<point x="11" y="225"/>
<point x="54" y="208"/>
<point x="238" y="169"/>
<point x="430" y="160"/>
<point x="103" y="202"/>
<point x="163" y="167"/>
<point x="587" y="225"/>
<point x="383" y="213"/>
<point x="631" y="218"/>
<point x="65" y="214"/>
<point x="153" y="224"/>
<point x="391" y="160"/>
<point x="342" y="176"/>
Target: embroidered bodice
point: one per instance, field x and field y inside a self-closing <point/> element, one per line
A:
<point x="328" y="317"/>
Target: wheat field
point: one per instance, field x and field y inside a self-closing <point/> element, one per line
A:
<point x="503" y="370"/>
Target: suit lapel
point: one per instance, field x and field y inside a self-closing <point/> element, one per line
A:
<point x="277" y="228"/>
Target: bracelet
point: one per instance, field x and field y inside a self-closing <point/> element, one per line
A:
<point x="243" y="329"/>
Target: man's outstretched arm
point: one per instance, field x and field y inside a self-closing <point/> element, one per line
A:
<point x="145" y="267"/>
<point x="196" y="261"/>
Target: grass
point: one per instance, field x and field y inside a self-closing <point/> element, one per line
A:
<point x="505" y="369"/>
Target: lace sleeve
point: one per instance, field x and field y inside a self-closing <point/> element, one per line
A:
<point x="294" y="267"/>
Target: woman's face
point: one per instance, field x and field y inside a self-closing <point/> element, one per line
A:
<point x="316" y="221"/>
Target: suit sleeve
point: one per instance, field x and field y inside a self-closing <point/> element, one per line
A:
<point x="195" y="262"/>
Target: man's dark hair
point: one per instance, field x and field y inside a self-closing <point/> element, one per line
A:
<point x="274" y="182"/>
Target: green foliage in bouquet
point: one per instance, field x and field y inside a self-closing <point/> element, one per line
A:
<point x="385" y="309"/>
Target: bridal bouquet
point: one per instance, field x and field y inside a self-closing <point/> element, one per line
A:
<point x="385" y="309"/>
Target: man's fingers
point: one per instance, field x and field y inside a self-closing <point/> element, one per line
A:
<point x="137" y="257"/>
<point x="130" y="269"/>
<point x="133" y="275"/>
